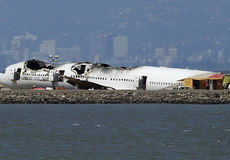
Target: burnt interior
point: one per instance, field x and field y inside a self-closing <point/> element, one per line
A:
<point x="61" y="74"/>
<point x="104" y="65"/>
<point x="37" y="65"/>
<point x="80" y="69"/>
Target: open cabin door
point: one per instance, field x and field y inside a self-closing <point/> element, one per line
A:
<point x="142" y="83"/>
<point x="55" y="76"/>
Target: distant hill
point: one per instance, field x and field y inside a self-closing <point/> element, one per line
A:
<point x="200" y="30"/>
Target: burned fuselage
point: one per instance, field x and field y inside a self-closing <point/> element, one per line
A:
<point x="33" y="73"/>
<point x="86" y="75"/>
<point x="99" y="76"/>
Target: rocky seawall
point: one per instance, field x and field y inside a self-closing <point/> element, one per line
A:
<point x="113" y="97"/>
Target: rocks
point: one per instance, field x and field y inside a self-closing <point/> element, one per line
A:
<point x="114" y="97"/>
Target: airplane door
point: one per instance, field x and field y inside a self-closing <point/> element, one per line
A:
<point x="60" y="75"/>
<point x="142" y="83"/>
<point x="51" y="75"/>
<point x="15" y="74"/>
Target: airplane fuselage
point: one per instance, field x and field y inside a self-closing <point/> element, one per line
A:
<point x="70" y="76"/>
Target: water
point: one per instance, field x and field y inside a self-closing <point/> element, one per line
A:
<point x="114" y="132"/>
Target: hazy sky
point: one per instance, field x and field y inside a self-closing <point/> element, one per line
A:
<point x="195" y="27"/>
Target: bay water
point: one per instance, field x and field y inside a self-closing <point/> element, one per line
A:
<point x="114" y="132"/>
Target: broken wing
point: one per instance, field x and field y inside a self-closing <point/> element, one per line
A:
<point x="85" y="84"/>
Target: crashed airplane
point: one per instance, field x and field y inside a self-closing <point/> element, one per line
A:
<point x="84" y="75"/>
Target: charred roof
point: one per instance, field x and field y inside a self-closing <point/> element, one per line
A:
<point x="37" y="65"/>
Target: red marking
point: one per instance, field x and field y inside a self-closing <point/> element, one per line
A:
<point x="217" y="76"/>
<point x="59" y="88"/>
<point x="38" y="89"/>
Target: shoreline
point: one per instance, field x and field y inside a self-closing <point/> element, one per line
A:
<point x="115" y="97"/>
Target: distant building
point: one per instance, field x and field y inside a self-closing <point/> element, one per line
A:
<point x="162" y="57"/>
<point x="14" y="54"/>
<point x="3" y="46"/>
<point x="15" y="43"/>
<point x="172" y="51"/>
<point x="159" y="52"/>
<point x="47" y="47"/>
<point x="97" y="58"/>
<point x="98" y="43"/>
<point x="69" y="54"/>
<point x="120" y="46"/>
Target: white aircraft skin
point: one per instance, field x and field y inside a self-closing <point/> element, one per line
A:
<point x="29" y="79"/>
<point x="153" y="78"/>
